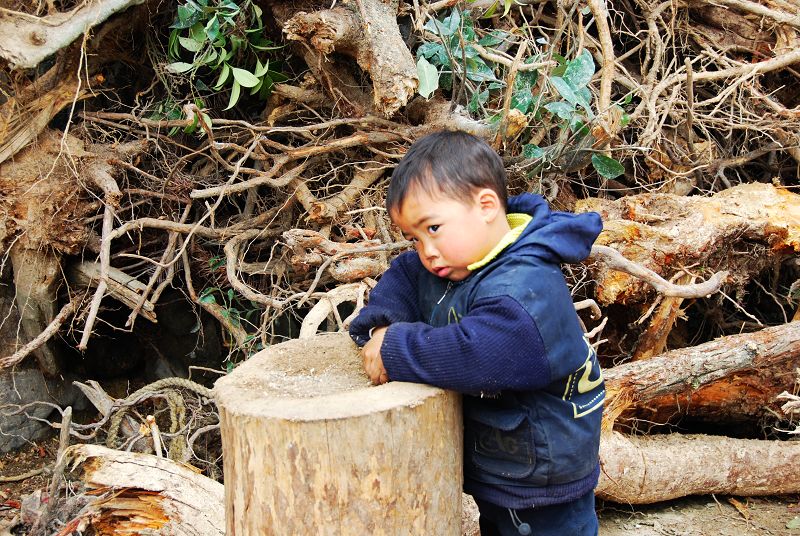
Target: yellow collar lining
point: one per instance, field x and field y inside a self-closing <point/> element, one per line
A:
<point x="517" y="222"/>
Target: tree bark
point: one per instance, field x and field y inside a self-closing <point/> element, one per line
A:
<point x="27" y="40"/>
<point x="730" y="380"/>
<point x="366" y="30"/>
<point x="644" y="470"/>
<point x="665" y="232"/>
<point x="311" y="448"/>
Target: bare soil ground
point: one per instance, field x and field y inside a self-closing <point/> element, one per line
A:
<point x="705" y="515"/>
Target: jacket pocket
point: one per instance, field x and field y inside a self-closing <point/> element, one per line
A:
<point x="500" y="441"/>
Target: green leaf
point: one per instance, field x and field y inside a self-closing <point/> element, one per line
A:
<point x="446" y="27"/>
<point x="190" y="44"/>
<point x="428" y="77"/>
<point x="580" y="70"/>
<point x="577" y="124"/>
<point x="207" y="297"/>
<point x="522" y="97"/>
<point x="562" y="109"/>
<point x="173" y="46"/>
<point x="244" y="77"/>
<point x="478" y="71"/>
<point x="187" y="16"/>
<point x="235" y="90"/>
<point x="564" y="89"/>
<point x="533" y="151"/>
<point x="261" y="70"/>
<point x="606" y="166"/>
<point x="495" y="37"/>
<point x="625" y="120"/>
<point x="478" y="99"/>
<point x="179" y="67"/>
<point x="508" y="4"/>
<point x="490" y="12"/>
<point x="198" y="32"/>
<point x="256" y="88"/>
<point x="793" y="523"/>
<point x="277" y="77"/>
<point x="212" y="28"/>
<point x="207" y="57"/>
<point x="467" y="27"/>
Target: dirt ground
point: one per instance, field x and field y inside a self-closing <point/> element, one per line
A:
<point x="704" y="516"/>
<point x="691" y="516"/>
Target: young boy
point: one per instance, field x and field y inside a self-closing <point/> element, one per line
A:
<point x="481" y="307"/>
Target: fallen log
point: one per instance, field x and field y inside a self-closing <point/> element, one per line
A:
<point x="311" y="447"/>
<point x="134" y="493"/>
<point x="730" y="380"/>
<point x="645" y="470"/>
<point x="665" y="233"/>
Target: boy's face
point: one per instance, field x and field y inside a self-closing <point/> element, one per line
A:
<point x="448" y="234"/>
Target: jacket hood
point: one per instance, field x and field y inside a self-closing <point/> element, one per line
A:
<point x="560" y="237"/>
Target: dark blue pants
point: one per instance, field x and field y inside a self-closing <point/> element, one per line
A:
<point x="576" y="518"/>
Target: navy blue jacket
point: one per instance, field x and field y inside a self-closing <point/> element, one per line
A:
<point x="508" y="338"/>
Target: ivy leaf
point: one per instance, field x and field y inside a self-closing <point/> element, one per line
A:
<point x="564" y="89"/>
<point x="207" y="298"/>
<point x="580" y="70"/>
<point x="584" y="99"/>
<point x="478" y="99"/>
<point x="522" y="96"/>
<point x="478" y="71"/>
<point x="606" y="166"/>
<point x="235" y="90"/>
<point x="212" y="28"/>
<point x="562" y="109"/>
<point x="190" y="44"/>
<point x="428" y="77"/>
<point x="179" y="67"/>
<point x="429" y="49"/>
<point x="493" y="38"/>
<point x="532" y="151"/>
<point x="446" y="27"/>
<point x="223" y="76"/>
<point x="244" y="77"/>
<point x="261" y="70"/>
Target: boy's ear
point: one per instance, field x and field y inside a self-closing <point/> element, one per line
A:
<point x="489" y="203"/>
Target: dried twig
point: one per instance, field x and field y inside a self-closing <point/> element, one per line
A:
<point x="616" y="261"/>
<point x="45" y="335"/>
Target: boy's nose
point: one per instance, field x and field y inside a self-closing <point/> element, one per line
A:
<point x="429" y="251"/>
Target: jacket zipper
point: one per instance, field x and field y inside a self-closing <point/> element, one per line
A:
<point x="446" y="290"/>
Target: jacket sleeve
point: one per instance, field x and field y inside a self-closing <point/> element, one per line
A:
<point x="394" y="299"/>
<point x="496" y="346"/>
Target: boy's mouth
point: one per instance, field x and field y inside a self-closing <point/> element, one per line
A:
<point x="442" y="272"/>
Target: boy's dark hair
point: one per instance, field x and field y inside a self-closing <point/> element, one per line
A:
<point x="453" y="163"/>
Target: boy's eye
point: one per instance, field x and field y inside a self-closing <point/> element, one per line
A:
<point x="433" y="228"/>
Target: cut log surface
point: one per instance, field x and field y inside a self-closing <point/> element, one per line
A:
<point x="645" y="470"/>
<point x="310" y="447"/>
<point x="730" y="380"/>
<point x="151" y="495"/>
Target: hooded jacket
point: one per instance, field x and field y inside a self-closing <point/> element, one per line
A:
<point x="507" y="337"/>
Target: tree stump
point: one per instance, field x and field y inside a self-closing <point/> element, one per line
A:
<point x="311" y="447"/>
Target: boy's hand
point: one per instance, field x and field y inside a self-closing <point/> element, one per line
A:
<point x="373" y="363"/>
